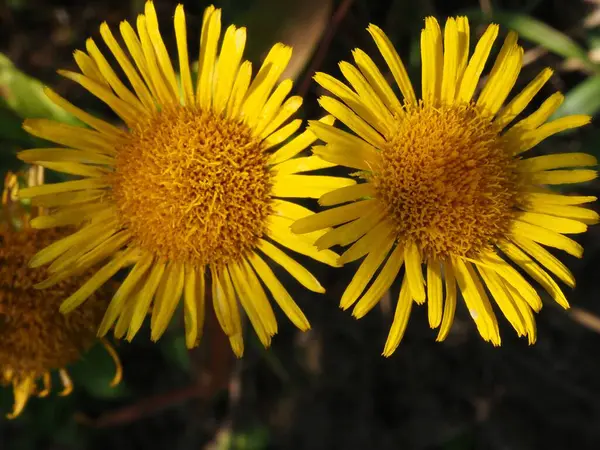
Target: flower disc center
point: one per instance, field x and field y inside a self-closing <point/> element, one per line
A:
<point x="448" y="181"/>
<point x="35" y="336"/>
<point x="191" y="186"/>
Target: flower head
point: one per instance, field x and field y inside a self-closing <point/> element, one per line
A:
<point x="36" y="338"/>
<point x="447" y="184"/>
<point x="191" y="191"/>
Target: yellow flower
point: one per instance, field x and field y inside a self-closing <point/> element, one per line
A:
<point x="446" y="184"/>
<point x="190" y="191"/>
<point x="36" y="338"/>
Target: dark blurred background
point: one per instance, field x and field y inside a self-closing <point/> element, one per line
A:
<point x="328" y="388"/>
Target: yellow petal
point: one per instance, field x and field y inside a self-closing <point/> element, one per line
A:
<point x="348" y="233"/>
<point x="162" y="55"/>
<point x="365" y="272"/>
<point x="394" y="62"/>
<point x="503" y="300"/>
<point x="184" y="61"/>
<point x="255" y="304"/>
<point x="547" y="237"/>
<point x="357" y="158"/>
<point x="303" y="164"/>
<point x="98" y="124"/>
<point x="126" y="112"/>
<point x="280" y="294"/>
<point x="432" y="62"/>
<point x="132" y="75"/>
<point x="435" y="301"/>
<point x="365" y="244"/>
<point x="287" y="110"/>
<point x="477" y="300"/>
<point x="492" y="261"/>
<point x="449" y="302"/>
<point x="193" y="305"/>
<point x="94" y="283"/>
<point x="476" y="64"/>
<point x="73" y="168"/>
<point x="59" y="247"/>
<point x="124" y="293"/>
<point x="545" y="258"/>
<point x="347" y="194"/>
<point x="377" y="81"/>
<point x="272" y="67"/>
<point x="349" y="97"/>
<point x="556" y="161"/>
<point x="563" y="176"/>
<point x="282" y="134"/>
<point x="167" y="298"/>
<point x="585" y="215"/>
<point x="144" y="300"/>
<point x="230" y="57"/>
<point x="538" y="117"/>
<point x="384" y="121"/>
<point x="400" y="322"/>
<point x="381" y="284"/>
<point x="209" y="39"/>
<point x="450" y="63"/>
<point x="273" y="105"/>
<point x="224" y="301"/>
<point x="557" y="224"/>
<point x="307" y="186"/>
<point x="293" y="267"/>
<point x="72" y="136"/>
<point x="296" y="145"/>
<point x="113" y="80"/>
<point x="521" y="100"/>
<point x="239" y="89"/>
<point x="64" y="155"/>
<point x="280" y="232"/>
<point x="335" y="136"/>
<point x="331" y="217"/>
<point x="414" y="272"/>
<point x="503" y="75"/>
<point x="352" y="120"/>
<point x="535" y="271"/>
<point x="532" y="138"/>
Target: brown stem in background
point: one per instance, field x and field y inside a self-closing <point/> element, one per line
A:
<point x="316" y="62"/>
<point x="214" y="369"/>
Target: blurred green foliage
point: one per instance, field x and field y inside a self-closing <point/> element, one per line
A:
<point x="302" y="25"/>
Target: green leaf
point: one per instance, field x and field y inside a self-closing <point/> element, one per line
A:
<point x="537" y="32"/>
<point x="582" y="99"/>
<point x="10" y="127"/>
<point x="25" y="96"/>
